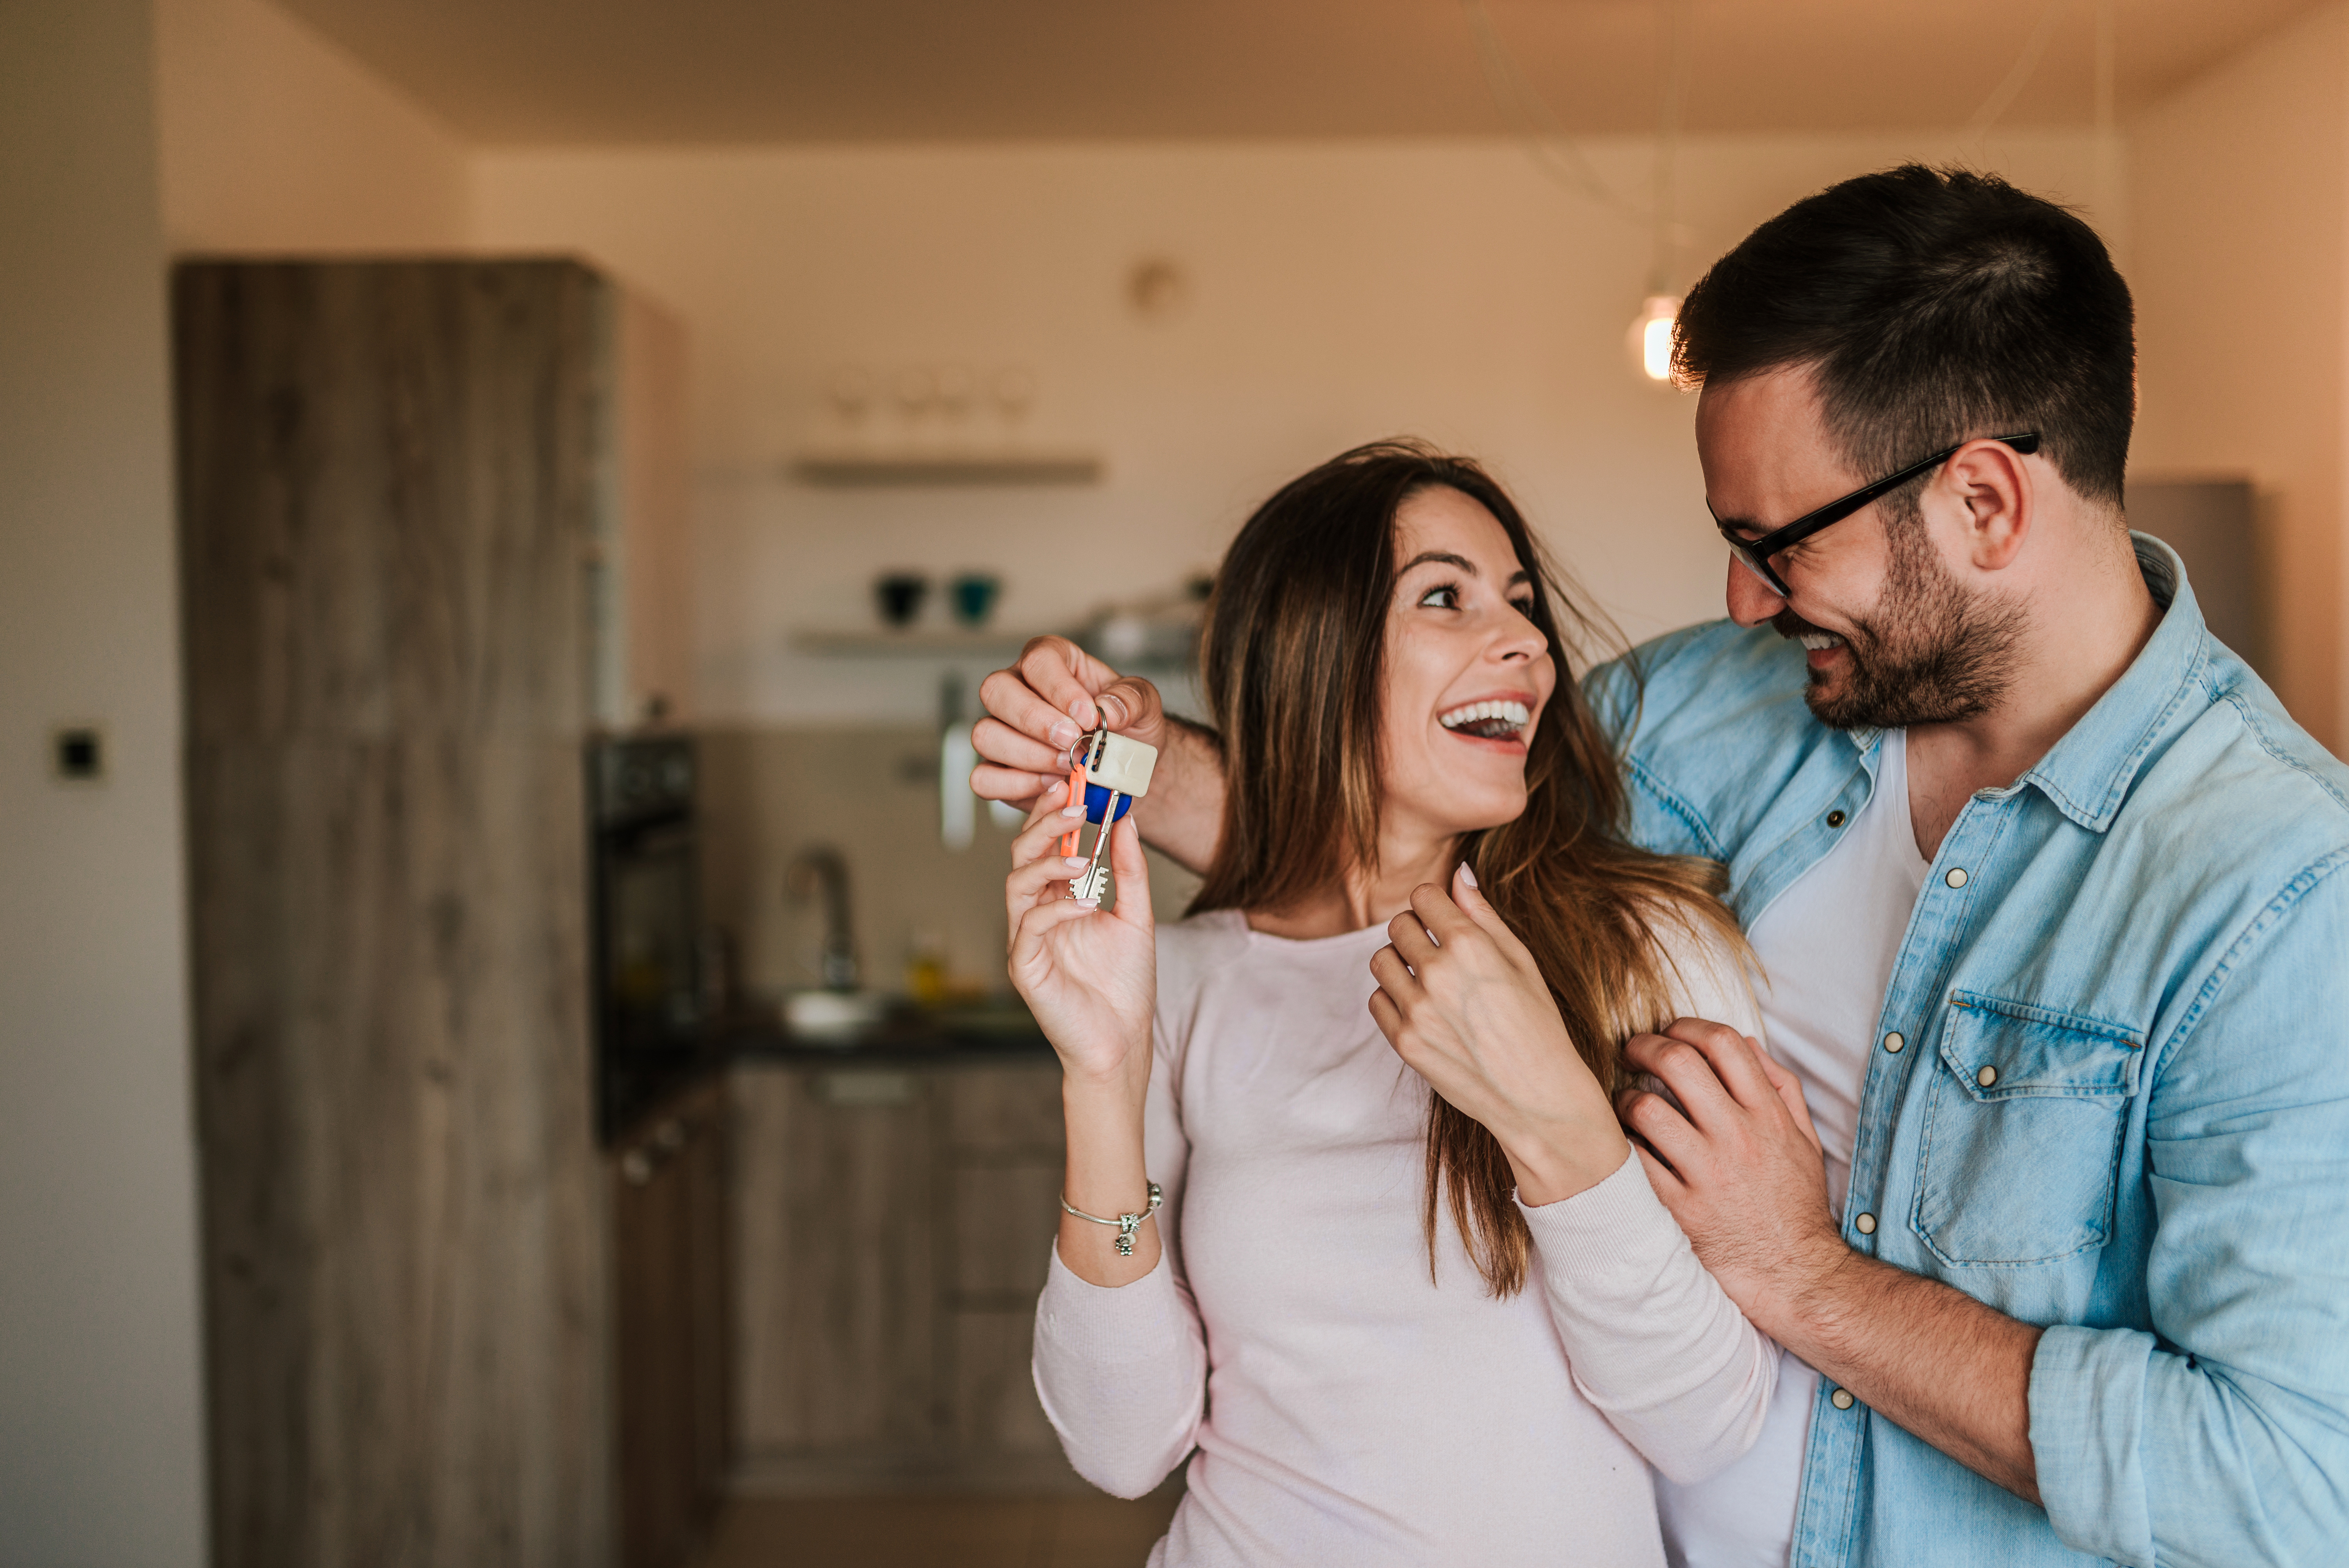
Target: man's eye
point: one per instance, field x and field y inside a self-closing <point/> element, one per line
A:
<point x="1444" y="598"/>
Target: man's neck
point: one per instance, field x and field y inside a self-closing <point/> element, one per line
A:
<point x="2087" y="622"/>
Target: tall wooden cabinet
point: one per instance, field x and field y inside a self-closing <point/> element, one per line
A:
<point x="399" y="489"/>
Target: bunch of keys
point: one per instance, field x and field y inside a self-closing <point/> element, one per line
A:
<point x="1109" y="773"/>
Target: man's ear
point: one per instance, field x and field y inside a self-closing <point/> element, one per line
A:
<point x="1994" y="485"/>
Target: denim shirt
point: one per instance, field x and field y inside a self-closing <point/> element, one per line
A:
<point x="2109" y="1093"/>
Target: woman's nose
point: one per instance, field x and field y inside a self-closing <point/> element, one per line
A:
<point x="1522" y="640"/>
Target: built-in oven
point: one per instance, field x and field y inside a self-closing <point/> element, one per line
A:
<point x="650" y="1020"/>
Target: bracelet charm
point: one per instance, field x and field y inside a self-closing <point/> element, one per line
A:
<point x="1127" y="1224"/>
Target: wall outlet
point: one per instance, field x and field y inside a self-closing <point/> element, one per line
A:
<point x="77" y="753"/>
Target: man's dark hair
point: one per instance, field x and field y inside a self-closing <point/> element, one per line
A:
<point x="1934" y="306"/>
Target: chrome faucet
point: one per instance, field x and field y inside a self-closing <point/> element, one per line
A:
<point x="819" y="870"/>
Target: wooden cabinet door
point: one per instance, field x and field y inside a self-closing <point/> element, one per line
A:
<point x="668" y="1228"/>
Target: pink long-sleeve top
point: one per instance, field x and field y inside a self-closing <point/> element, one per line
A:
<point x="1345" y="1408"/>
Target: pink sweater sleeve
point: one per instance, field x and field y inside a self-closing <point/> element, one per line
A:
<point x="1651" y="1339"/>
<point x="1123" y="1371"/>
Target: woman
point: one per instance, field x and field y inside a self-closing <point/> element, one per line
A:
<point x="1393" y="1334"/>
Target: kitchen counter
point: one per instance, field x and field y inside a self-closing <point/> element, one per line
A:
<point x="909" y="1036"/>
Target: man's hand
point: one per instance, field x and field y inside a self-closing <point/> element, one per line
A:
<point x="1739" y="1168"/>
<point x="1057" y="691"/>
<point x="1038" y="709"/>
<point x="1738" y="1163"/>
<point x="1473" y="1018"/>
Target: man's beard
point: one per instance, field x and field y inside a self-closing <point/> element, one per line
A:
<point x="1933" y="654"/>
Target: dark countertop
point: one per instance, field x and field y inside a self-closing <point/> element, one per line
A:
<point x="909" y="1037"/>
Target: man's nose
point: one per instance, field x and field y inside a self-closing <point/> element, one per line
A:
<point x="1751" y="602"/>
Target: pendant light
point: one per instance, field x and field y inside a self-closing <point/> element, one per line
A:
<point x="1650" y="338"/>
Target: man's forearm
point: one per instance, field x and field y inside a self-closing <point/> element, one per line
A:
<point x="1183" y="816"/>
<point x="1927" y="1357"/>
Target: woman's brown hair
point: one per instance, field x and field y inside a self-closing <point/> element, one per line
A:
<point x="1292" y="665"/>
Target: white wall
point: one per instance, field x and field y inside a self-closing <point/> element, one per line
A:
<point x="1340" y="293"/>
<point x="273" y="139"/>
<point x="100" y="1423"/>
<point x="2239" y="200"/>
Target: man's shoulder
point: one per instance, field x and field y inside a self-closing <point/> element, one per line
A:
<point x="2240" y="771"/>
<point x="1699" y="687"/>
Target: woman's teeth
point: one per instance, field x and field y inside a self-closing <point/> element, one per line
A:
<point x="1487" y="721"/>
<point x="1819" y="641"/>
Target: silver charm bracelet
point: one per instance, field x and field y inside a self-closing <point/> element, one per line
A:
<point x="1127" y="1224"/>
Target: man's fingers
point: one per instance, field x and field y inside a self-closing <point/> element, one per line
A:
<point x="1005" y="745"/>
<point x="1011" y="786"/>
<point x="1665" y="1180"/>
<point x="1042" y="697"/>
<point x="1652" y="1120"/>
<point x="1734" y="1061"/>
<point x="1789" y="1090"/>
<point x="1686" y="1071"/>
<point x="1065" y="676"/>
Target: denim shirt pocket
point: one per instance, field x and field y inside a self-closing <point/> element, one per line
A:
<point x="2023" y="1133"/>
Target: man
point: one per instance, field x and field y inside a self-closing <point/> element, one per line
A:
<point x="2052" y="901"/>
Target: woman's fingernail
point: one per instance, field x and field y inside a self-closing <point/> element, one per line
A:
<point x="1072" y="810"/>
<point x="1064" y="735"/>
<point x="1076" y="860"/>
<point x="1088" y="904"/>
<point x="1467" y="873"/>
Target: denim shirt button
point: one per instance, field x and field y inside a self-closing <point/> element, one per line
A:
<point x="1894" y="1041"/>
<point x="1841" y="1399"/>
<point x="1835" y="819"/>
<point x="1986" y="1077"/>
<point x="1864" y="1225"/>
<point x="1957" y="877"/>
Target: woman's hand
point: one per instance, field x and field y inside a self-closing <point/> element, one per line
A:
<point x="1090" y="977"/>
<point x="1462" y="1002"/>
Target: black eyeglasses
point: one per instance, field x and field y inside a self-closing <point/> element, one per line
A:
<point x="1756" y="554"/>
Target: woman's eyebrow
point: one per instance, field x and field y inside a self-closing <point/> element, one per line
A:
<point x="1442" y="557"/>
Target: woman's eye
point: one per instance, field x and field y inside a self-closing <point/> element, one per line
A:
<point x="1444" y="598"/>
<point x="1524" y="607"/>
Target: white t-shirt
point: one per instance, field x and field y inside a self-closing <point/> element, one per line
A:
<point x="1827" y="945"/>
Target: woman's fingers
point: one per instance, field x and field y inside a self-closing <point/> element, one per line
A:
<point x="1395" y="981"/>
<point x="1411" y="939"/>
<point x="1036" y="922"/>
<point x="1047" y="823"/>
<point x="1131" y="869"/>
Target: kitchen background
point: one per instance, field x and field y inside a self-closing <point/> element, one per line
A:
<point x="888" y="240"/>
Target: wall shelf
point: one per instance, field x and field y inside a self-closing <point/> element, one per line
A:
<point x="874" y="471"/>
<point x="927" y="642"/>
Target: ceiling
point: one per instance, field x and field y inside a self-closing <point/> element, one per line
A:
<point x="567" y="72"/>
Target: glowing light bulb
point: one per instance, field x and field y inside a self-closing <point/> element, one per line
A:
<point x="1651" y="337"/>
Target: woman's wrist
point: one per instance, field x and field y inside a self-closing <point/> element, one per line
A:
<point x="1561" y="1161"/>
